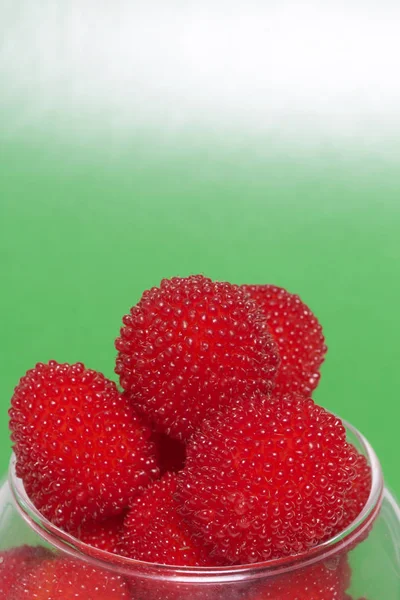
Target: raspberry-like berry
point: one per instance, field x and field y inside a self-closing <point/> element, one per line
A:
<point x="155" y="532"/>
<point x="171" y="453"/>
<point x="322" y="581"/>
<point x="298" y="335"/>
<point x="190" y="345"/>
<point x="266" y="478"/>
<point x="16" y="562"/>
<point x="153" y="589"/>
<point x="65" y="579"/>
<point x="357" y="496"/>
<point x="82" y="452"/>
<point x="103" y="535"/>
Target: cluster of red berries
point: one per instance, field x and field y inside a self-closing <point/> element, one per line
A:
<point x="211" y="454"/>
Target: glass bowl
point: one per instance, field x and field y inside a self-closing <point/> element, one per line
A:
<point x="362" y="563"/>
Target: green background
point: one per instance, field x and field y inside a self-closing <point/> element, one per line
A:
<point x="257" y="146"/>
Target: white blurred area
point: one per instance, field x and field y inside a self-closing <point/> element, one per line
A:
<point x="287" y="69"/>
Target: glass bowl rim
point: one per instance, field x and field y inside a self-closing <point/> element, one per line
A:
<point x="324" y="552"/>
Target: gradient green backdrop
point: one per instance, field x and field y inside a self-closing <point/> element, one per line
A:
<point x="250" y="144"/>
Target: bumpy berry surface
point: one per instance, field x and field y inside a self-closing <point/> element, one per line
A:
<point x="81" y="450"/>
<point x="15" y="563"/>
<point x="64" y="579"/>
<point x="155" y="532"/>
<point x="322" y="581"/>
<point x="266" y="478"/>
<point x="357" y="496"/>
<point x="163" y="590"/>
<point x="103" y="535"/>
<point x="297" y="334"/>
<point x="171" y="453"/>
<point x="190" y="345"/>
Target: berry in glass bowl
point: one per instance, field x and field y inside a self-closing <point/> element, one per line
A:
<point x="212" y="475"/>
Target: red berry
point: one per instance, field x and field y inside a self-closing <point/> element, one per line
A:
<point x="297" y="334"/>
<point x="266" y="478"/>
<point x="16" y="562"/>
<point x="153" y="589"/>
<point x="81" y="450"/>
<point x="358" y="494"/>
<point x="190" y="345"/>
<point x="155" y="532"/>
<point x="171" y="453"/>
<point x="103" y="535"/>
<point x="65" y="579"/>
<point x="322" y="581"/>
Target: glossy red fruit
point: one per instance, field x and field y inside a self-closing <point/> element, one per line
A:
<point x="155" y="532"/>
<point x="358" y="494"/>
<point x="103" y="535"/>
<point x="65" y="579"/>
<point x="82" y="451"/>
<point x="190" y="345"/>
<point x="172" y="590"/>
<point x="16" y="562"/>
<point x="266" y="478"/>
<point x="322" y="581"/>
<point x="298" y="335"/>
<point x="171" y="453"/>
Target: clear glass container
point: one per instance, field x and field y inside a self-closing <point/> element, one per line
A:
<point x="362" y="563"/>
